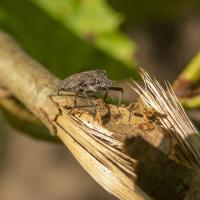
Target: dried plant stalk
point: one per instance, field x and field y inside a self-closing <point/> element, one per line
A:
<point x="32" y="84"/>
<point x="98" y="144"/>
<point x="172" y="117"/>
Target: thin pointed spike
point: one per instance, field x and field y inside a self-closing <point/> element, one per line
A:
<point x="154" y="96"/>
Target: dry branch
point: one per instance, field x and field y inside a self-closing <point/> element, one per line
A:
<point x="98" y="144"/>
<point x="32" y="84"/>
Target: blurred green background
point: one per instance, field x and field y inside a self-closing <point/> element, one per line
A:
<point x="69" y="36"/>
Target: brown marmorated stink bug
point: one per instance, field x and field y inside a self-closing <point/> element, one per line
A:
<point x="88" y="82"/>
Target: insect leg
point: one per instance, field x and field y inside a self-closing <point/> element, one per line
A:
<point x="59" y="89"/>
<point x="75" y="102"/>
<point x="90" y="102"/>
<point x="57" y="92"/>
<point x="121" y="94"/>
<point x="75" y="98"/>
<point x="106" y="94"/>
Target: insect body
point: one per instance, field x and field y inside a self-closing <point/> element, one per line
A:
<point x="87" y="82"/>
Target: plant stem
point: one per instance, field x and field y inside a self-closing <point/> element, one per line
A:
<point x="191" y="103"/>
<point x="32" y="84"/>
<point x="100" y="150"/>
<point x="185" y="83"/>
<point x="192" y="70"/>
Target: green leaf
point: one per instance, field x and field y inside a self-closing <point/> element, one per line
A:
<point x="94" y="21"/>
<point x="61" y="49"/>
<point x="117" y="45"/>
<point x="83" y="16"/>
